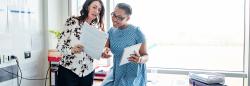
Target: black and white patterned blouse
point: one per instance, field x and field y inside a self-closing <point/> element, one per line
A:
<point x="81" y="64"/>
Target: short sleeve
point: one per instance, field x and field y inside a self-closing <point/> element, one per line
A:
<point x="140" y="38"/>
<point x="109" y="33"/>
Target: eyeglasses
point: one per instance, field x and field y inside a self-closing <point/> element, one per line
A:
<point x="119" y="18"/>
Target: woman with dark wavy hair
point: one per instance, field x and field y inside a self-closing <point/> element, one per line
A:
<point x="76" y="66"/>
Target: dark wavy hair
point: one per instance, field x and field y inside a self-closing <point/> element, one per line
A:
<point x="84" y="13"/>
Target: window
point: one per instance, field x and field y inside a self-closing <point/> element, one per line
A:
<point x="199" y="34"/>
<point x="205" y="35"/>
<point x="76" y="6"/>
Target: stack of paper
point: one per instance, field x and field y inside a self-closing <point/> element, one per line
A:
<point x="194" y="82"/>
<point x="208" y="78"/>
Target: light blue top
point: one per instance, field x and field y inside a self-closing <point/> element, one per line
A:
<point x="131" y="74"/>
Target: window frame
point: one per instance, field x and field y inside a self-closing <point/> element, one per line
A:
<point x="246" y="59"/>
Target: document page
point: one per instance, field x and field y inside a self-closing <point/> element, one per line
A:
<point x="93" y="40"/>
<point x="128" y="51"/>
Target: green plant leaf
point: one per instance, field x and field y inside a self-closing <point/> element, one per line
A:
<point x="56" y="33"/>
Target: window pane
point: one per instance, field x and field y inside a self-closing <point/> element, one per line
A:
<point x="192" y="34"/>
<point x="77" y="6"/>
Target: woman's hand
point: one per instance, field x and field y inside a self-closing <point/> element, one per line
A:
<point x="77" y="48"/>
<point x="106" y="53"/>
<point x="134" y="57"/>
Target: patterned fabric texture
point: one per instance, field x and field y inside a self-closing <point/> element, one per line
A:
<point x="81" y="64"/>
<point x="131" y="74"/>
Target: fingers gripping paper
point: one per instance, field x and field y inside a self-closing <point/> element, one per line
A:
<point x="93" y="40"/>
<point x="128" y="51"/>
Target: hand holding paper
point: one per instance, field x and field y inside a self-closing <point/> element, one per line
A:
<point x="106" y="53"/>
<point x="77" y="48"/>
<point x="129" y="51"/>
<point x="134" y="57"/>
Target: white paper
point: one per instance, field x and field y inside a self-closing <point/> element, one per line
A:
<point x="128" y="51"/>
<point x="93" y="40"/>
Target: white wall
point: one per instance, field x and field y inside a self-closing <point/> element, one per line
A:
<point x="57" y="14"/>
<point x="32" y="39"/>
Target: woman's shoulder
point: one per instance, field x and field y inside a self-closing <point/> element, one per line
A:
<point x="133" y="27"/>
<point x="71" y="23"/>
<point x="72" y="20"/>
